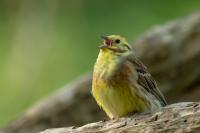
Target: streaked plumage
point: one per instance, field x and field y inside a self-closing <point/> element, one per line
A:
<point x="121" y="83"/>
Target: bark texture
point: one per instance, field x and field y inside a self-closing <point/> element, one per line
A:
<point x="175" y="118"/>
<point x="170" y="51"/>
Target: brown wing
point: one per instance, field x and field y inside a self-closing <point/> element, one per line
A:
<point x="145" y="80"/>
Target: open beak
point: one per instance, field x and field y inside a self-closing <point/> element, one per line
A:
<point x="107" y="42"/>
<point x="104" y="37"/>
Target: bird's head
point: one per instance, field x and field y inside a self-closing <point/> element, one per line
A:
<point x="115" y="43"/>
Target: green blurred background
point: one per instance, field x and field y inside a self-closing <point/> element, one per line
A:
<point x="44" y="44"/>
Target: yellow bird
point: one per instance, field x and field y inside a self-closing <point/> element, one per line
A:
<point x="121" y="83"/>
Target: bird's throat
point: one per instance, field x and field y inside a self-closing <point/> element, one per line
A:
<point x="107" y="64"/>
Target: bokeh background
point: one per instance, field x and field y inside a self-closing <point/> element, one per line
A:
<point x="44" y="44"/>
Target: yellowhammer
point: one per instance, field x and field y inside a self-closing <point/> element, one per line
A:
<point x="121" y="83"/>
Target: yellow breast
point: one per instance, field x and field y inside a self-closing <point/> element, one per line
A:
<point x="112" y="88"/>
<point x="118" y="102"/>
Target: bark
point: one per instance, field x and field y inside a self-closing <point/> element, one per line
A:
<point x="175" y="118"/>
<point x="170" y="51"/>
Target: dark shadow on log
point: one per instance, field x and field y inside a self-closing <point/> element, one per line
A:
<point x="172" y="54"/>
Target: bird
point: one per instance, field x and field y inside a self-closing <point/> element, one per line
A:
<point x="121" y="83"/>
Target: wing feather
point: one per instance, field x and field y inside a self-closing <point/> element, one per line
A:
<point x="146" y="81"/>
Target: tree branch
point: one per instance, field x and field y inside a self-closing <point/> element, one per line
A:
<point x="180" y="117"/>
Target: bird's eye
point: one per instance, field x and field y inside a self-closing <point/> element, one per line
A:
<point x="117" y="41"/>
